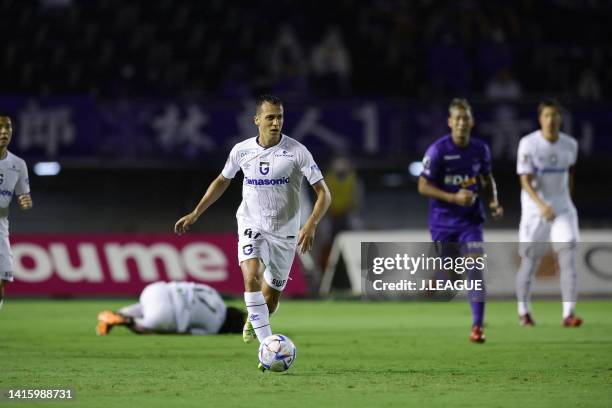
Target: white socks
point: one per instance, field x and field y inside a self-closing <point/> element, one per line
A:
<point x="523" y="283"/>
<point x="133" y="311"/>
<point x="259" y="316"/>
<point x="568" y="309"/>
<point x="524" y="308"/>
<point x="569" y="279"/>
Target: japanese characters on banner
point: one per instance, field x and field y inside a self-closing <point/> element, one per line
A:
<point x="103" y="265"/>
<point x="79" y="127"/>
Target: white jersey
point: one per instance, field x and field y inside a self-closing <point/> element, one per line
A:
<point x="198" y="308"/>
<point x="13" y="181"/>
<point x="549" y="164"/>
<point x="272" y="182"/>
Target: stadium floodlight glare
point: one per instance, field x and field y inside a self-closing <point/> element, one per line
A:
<point x="47" y="168"/>
<point x="415" y="168"/>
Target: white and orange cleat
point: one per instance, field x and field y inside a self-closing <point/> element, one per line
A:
<point x="106" y="320"/>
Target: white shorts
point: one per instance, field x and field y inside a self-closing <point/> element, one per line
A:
<point x="535" y="230"/>
<point x="6" y="259"/>
<point x="276" y="253"/>
<point x="157" y="308"/>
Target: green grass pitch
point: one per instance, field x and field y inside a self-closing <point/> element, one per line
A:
<point x="350" y="354"/>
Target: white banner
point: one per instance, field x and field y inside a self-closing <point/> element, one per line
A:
<point x="594" y="261"/>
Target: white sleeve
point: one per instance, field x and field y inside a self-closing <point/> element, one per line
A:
<point x="524" y="159"/>
<point x="231" y="165"/>
<point x="307" y="166"/>
<point x="23" y="183"/>
<point x="574" y="152"/>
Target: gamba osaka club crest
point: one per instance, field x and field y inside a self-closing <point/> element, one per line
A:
<point x="264" y="168"/>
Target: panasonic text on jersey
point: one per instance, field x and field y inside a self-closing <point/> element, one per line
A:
<point x="266" y="182"/>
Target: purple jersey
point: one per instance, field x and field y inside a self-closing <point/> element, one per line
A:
<point x="450" y="168"/>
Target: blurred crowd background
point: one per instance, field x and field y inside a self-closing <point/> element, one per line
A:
<point x="139" y="102"/>
<point x="390" y="48"/>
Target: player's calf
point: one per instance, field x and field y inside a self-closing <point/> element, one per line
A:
<point x="272" y="303"/>
<point x="272" y="297"/>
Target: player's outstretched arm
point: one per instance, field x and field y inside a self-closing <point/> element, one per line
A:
<point x="546" y="210"/>
<point x="214" y="191"/>
<point x="489" y="188"/>
<point x="463" y="197"/>
<point x="306" y="234"/>
<point x="25" y="201"/>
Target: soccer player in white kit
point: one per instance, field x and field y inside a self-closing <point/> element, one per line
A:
<point x="269" y="215"/>
<point x="13" y="182"/>
<point x="545" y="163"/>
<point x="175" y="307"/>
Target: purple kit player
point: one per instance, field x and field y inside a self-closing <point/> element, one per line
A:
<point x="456" y="169"/>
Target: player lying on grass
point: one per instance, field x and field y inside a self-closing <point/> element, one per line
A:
<point x="175" y="308"/>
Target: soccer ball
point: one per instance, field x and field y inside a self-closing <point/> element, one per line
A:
<point x="277" y="353"/>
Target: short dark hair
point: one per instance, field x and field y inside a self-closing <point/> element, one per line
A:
<point x="459" y="103"/>
<point x="550" y="103"/>
<point x="234" y="320"/>
<point x="271" y="99"/>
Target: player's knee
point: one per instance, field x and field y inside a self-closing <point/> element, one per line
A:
<point x="564" y="247"/>
<point x="533" y="251"/>
<point x="252" y="282"/>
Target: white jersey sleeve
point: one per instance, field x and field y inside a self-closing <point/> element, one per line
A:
<point x="574" y="148"/>
<point x="307" y="165"/>
<point x="524" y="160"/>
<point x="231" y="165"/>
<point x="23" y="182"/>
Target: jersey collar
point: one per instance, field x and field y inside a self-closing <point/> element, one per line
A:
<point x="282" y="137"/>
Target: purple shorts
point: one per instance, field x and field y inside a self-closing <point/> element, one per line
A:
<point x="468" y="240"/>
<point x="464" y="235"/>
